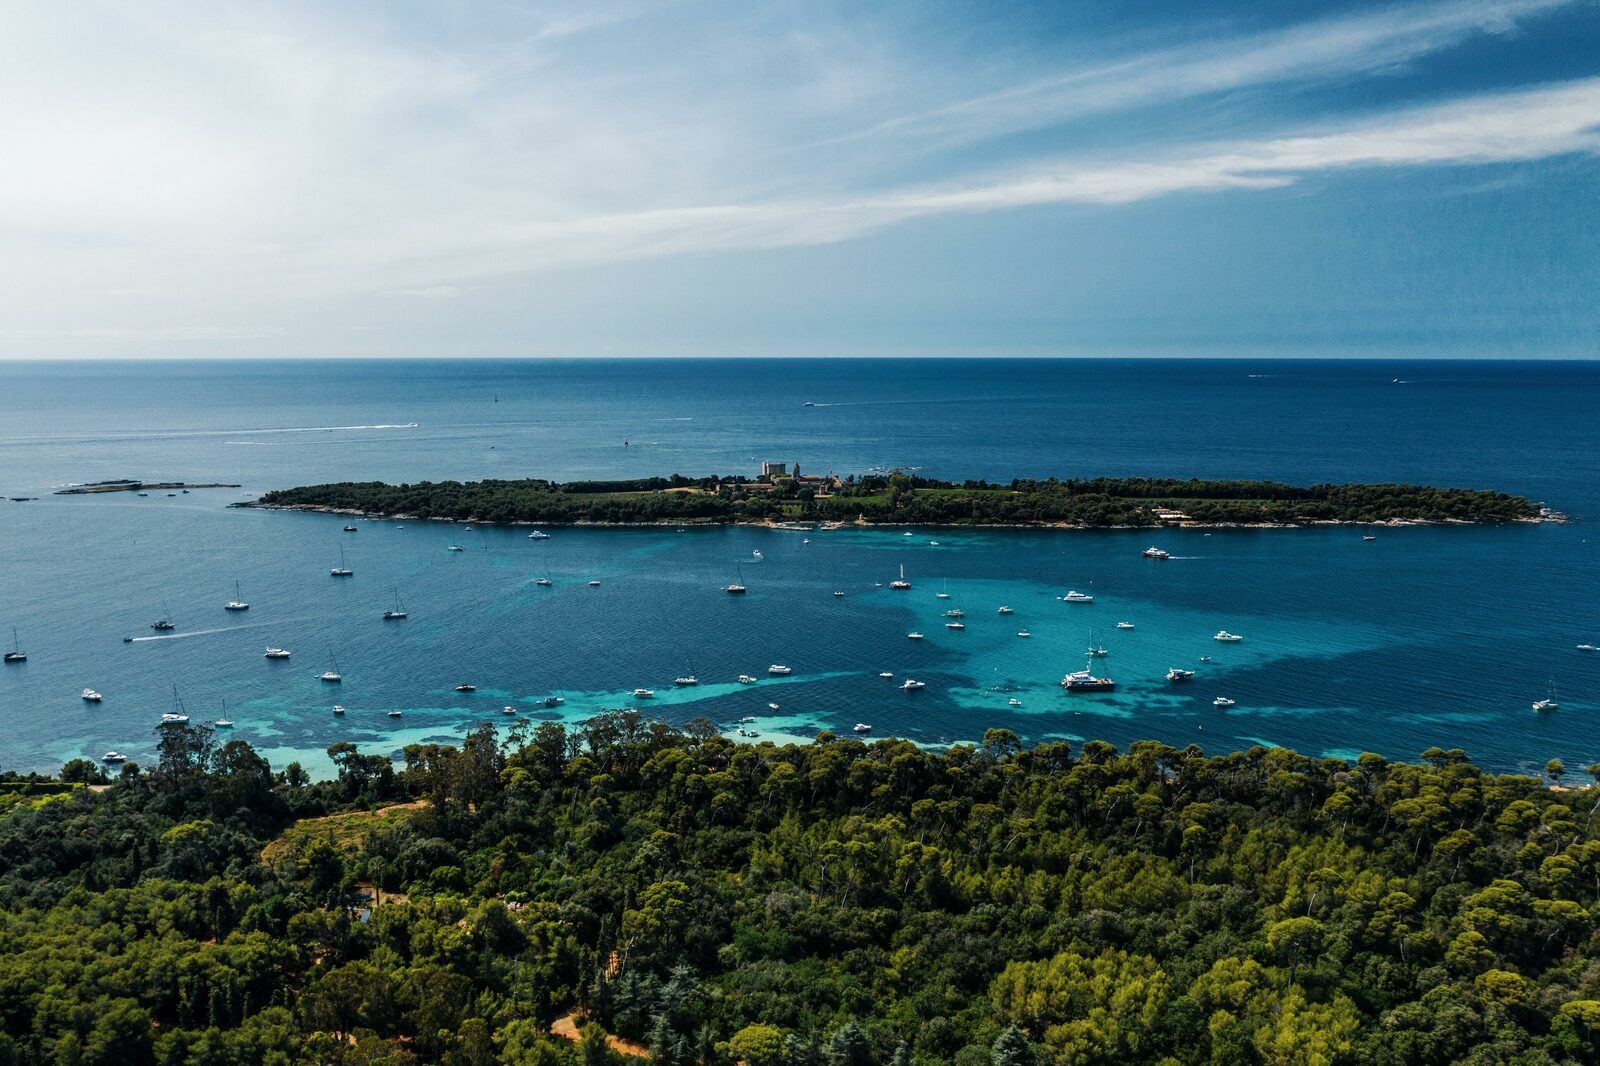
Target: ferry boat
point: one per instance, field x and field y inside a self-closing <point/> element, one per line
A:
<point x="901" y="582"/>
<point x="464" y="687"/>
<point x="909" y="685"/>
<point x="115" y="756"/>
<point x="1176" y="674"/>
<point x="1005" y="610"/>
<point x="16" y="654"/>
<point x="862" y="727"/>
<point x="1227" y="638"/>
<point x="1153" y="552"/>
<point x="238" y="602"/>
<point x="1078" y="597"/>
<point x="779" y="670"/>
<point x="1085" y="681"/>
<point x="89" y="695"/>
<point x="746" y="679"/>
<point x="1223" y="701"/>
<point x="644" y="693"/>
<point x="277" y="653"/>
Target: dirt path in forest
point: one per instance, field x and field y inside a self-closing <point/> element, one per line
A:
<point x="566" y="1027"/>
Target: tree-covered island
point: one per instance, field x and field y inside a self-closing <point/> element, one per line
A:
<point x="904" y="499"/>
<point x="829" y="904"/>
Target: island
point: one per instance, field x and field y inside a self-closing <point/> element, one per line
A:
<point x="130" y="485"/>
<point x="778" y="495"/>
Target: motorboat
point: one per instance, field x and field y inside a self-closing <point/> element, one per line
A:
<point x="1124" y="625"/>
<point x="1586" y="647"/>
<point x="913" y="636"/>
<point x="89" y="695"/>
<point x="955" y="625"/>
<point x="538" y="535"/>
<point x="779" y="670"/>
<point x="772" y="706"/>
<point x="747" y="679"/>
<point x="1205" y="658"/>
<point x="1223" y="701"/>
<point x="595" y="583"/>
<point x="508" y="709"/>
<point x="1227" y="638"/>
<point x="173" y="718"/>
<point x="394" y="714"/>
<point x="909" y="685"/>
<point x="338" y="708"/>
<point x="1005" y="610"/>
<point x="456" y="548"/>
<point x="349" y="529"/>
<point x="862" y="727"/>
<point x="466" y="688"/>
<point x="1014" y="702"/>
<point x="747" y="719"/>
<point x="644" y="693"/>
<point x="1175" y="674"/>
<point x="1153" y="552"/>
<point x="1024" y="633"/>
<point x="1077" y="597"/>
<point x="543" y="582"/>
<point x="735" y="588"/>
<point x="686" y="679"/>
<point x="837" y="593"/>
<point x="886" y="675"/>
<point x="277" y="653"/>
<point x="1085" y="681"/>
<point x="115" y="756"/>
<point x="162" y="624"/>
<point x="955" y="612"/>
<point x="1369" y="538"/>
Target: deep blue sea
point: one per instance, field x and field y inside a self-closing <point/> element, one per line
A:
<point x="1425" y="636"/>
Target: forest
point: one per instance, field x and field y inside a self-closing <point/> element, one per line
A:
<point x="836" y="903"/>
<point x="901" y="498"/>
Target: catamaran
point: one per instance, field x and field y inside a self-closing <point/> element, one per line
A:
<point x="1085" y="681"/>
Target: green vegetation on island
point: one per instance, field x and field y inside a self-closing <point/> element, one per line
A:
<point x="900" y="498"/>
<point x="832" y="904"/>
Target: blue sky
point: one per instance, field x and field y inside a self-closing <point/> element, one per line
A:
<point x="804" y="177"/>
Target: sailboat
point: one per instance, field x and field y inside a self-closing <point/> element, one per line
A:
<point x="341" y="570"/>
<point x="738" y="586"/>
<point x="396" y="612"/>
<point x="902" y="583"/>
<point x="1549" y="703"/>
<point x="16" y="654"/>
<point x="544" y="582"/>
<point x="224" y="722"/>
<point x="332" y="675"/>
<point x="237" y="603"/>
<point x="179" y="715"/>
<point x="688" y="678"/>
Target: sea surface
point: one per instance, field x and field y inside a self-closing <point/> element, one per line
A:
<point x="1424" y="636"/>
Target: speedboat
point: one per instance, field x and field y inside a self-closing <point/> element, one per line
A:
<point x="89" y="695"/>
<point x="544" y="581"/>
<point x="908" y="533"/>
<point x="955" y="625"/>
<point x="456" y="548"/>
<point x="1014" y="702"/>
<point x="913" y="636"/>
<point x="1369" y="538"/>
<point x="394" y="714"/>
<point x="779" y="670"/>
<point x="772" y="706"/>
<point x="1153" y="552"/>
<point x="115" y="756"/>
<point x="1227" y="638"/>
<point x="686" y="679"/>
<point x="862" y="727"/>
<point x="747" y="719"/>
<point x="338" y="709"/>
<point x="746" y="679"/>
<point x="1077" y="597"/>
<point x="595" y="583"/>
<point x="886" y="675"/>
<point x="644" y="693"/>
<point x="1005" y="610"/>
<point x="1222" y="701"/>
<point x="1024" y="633"/>
<point x="909" y="685"/>
<point x="277" y="653"/>
<point x="1085" y="681"/>
<point x="1124" y="625"/>
<point x="466" y="688"/>
<point x="1176" y="674"/>
<point x="756" y="553"/>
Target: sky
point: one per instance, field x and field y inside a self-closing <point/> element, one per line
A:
<point x="803" y="177"/>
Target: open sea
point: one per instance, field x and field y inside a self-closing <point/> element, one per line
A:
<point x="1425" y="636"/>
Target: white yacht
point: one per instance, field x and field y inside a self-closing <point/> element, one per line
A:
<point x="277" y="653"/>
<point x="173" y="718"/>
<point x="644" y="693"/>
<point x="114" y="756"/>
<point x="238" y="602"/>
<point x="955" y="625"/>
<point x="89" y="695"/>
<point x="1124" y="625"/>
<point x="331" y="675"/>
<point x="1156" y="553"/>
<point x="543" y="581"/>
<point x="16" y="654"/>
<point x="1014" y="702"/>
<point x="779" y="670"/>
<point x="746" y="679"/>
<point x="595" y="583"/>
<point x="1227" y="638"/>
<point x="394" y="714"/>
<point x="909" y="685"/>
<point x="1077" y="597"/>
<point x="508" y="709"/>
<point x="735" y="589"/>
<point x="901" y="582"/>
<point x="456" y="548"/>
<point x="838" y="593"/>
<point x="223" y="723"/>
<point x="338" y="709"/>
<point x="686" y="679"/>
<point x="1005" y="610"/>
<point x="1586" y="647"/>
<point x="398" y="611"/>
<point x="913" y="636"/>
<point x="1549" y="702"/>
<point x="1223" y="701"/>
<point x="886" y="675"/>
<point x="862" y="727"/>
<point x="465" y="687"/>
<point x="1176" y="674"/>
<point x="538" y="535"/>
<point x="941" y="595"/>
<point x="772" y="706"/>
<point x="1024" y="633"/>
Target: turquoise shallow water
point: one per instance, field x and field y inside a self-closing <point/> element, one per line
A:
<point x="1425" y="636"/>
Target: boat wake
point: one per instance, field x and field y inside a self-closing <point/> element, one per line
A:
<point x="207" y="632"/>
